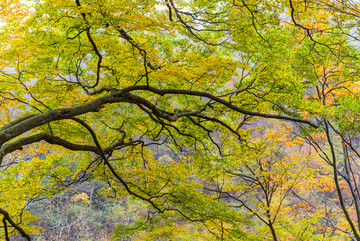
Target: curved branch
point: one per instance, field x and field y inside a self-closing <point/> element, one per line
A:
<point x="95" y="48"/>
<point x="103" y="156"/>
<point x="17" y="227"/>
<point x="223" y="102"/>
<point x="337" y="185"/>
<point x="6" y="230"/>
<point x="27" y="123"/>
<point x="18" y="144"/>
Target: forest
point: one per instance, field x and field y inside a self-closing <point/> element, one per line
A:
<point x="180" y="120"/>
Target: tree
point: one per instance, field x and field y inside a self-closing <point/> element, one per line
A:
<point x="260" y="179"/>
<point x="92" y="89"/>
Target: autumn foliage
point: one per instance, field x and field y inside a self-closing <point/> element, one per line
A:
<point x="179" y="120"/>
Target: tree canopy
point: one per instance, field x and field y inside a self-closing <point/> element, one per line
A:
<point x="223" y="120"/>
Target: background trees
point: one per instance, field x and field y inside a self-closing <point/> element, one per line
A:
<point x="204" y="111"/>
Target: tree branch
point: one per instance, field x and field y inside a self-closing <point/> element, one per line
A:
<point x="17" y="227"/>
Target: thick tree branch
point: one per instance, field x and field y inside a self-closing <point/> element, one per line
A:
<point x="225" y="103"/>
<point x="12" y="223"/>
<point x="18" y="144"/>
<point x="7" y="238"/>
<point x="25" y="124"/>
